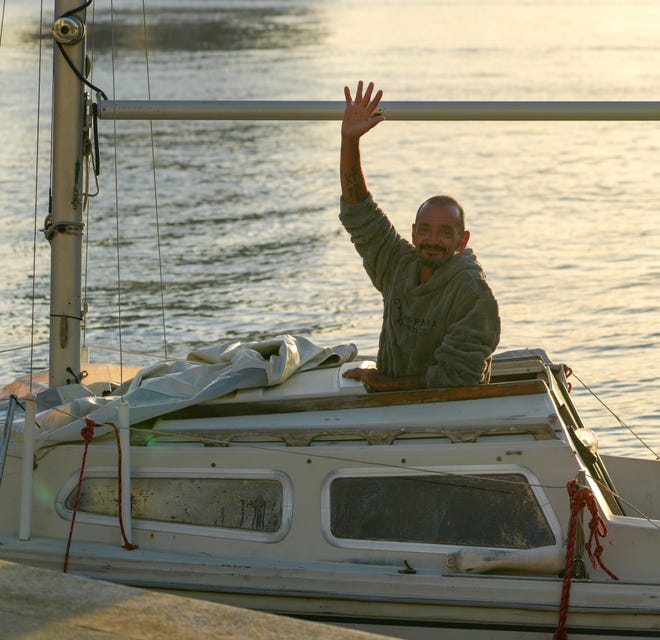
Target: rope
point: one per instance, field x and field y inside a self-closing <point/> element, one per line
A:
<point x="87" y="432"/>
<point x="580" y="497"/>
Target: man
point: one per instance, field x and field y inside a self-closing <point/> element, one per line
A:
<point x="440" y="319"/>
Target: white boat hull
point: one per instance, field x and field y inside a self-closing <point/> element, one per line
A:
<point x="307" y="565"/>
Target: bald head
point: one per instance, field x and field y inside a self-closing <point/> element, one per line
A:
<point x="446" y="202"/>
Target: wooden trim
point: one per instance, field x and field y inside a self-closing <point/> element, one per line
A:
<point x="217" y="409"/>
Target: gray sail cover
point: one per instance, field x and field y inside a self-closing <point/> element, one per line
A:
<point x="206" y="374"/>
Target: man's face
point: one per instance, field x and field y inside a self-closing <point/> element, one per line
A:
<point x="437" y="233"/>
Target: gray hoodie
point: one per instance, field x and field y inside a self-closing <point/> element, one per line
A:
<point x="446" y="328"/>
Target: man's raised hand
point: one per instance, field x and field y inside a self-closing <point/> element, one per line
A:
<point x="358" y="115"/>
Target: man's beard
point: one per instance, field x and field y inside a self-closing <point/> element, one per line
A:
<point x="436" y="262"/>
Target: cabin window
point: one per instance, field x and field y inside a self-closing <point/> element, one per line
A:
<point x="244" y="504"/>
<point x="484" y="510"/>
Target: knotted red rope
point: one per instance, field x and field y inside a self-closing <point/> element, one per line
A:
<point x="581" y="497"/>
<point x="87" y="432"/>
<point x="568" y="372"/>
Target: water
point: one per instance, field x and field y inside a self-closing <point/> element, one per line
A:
<point x="564" y="216"/>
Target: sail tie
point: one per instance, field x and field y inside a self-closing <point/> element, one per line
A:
<point x="87" y="433"/>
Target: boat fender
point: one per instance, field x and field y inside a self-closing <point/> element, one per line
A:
<point x="546" y="560"/>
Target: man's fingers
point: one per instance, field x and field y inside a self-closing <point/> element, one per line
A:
<point x="373" y="105"/>
<point x="347" y="94"/>
<point x="367" y="95"/>
<point x="366" y="99"/>
<point x="358" y="95"/>
<point x="351" y="373"/>
<point x="355" y="374"/>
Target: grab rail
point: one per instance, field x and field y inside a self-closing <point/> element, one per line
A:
<point x="407" y="110"/>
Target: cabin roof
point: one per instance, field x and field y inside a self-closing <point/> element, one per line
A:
<point x="319" y="405"/>
<point x="327" y="389"/>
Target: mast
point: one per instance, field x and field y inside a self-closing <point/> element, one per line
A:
<point x="64" y="227"/>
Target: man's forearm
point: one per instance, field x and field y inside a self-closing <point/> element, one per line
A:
<point x="353" y="183"/>
<point x="378" y="381"/>
<point x="405" y="383"/>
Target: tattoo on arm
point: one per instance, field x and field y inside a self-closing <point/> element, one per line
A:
<point x="352" y="181"/>
<point x="354" y="185"/>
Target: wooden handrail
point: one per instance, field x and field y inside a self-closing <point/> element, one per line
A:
<point x="384" y="399"/>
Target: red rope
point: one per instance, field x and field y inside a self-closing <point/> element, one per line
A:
<point x="87" y="432"/>
<point x="580" y="498"/>
<point x="568" y="372"/>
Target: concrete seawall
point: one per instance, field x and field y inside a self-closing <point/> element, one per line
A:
<point x="38" y="604"/>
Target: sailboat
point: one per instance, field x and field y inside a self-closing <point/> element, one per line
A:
<point x="255" y="474"/>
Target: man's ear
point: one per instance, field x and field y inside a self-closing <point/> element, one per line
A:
<point x="463" y="243"/>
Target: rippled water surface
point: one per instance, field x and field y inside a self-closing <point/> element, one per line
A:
<point x="565" y="217"/>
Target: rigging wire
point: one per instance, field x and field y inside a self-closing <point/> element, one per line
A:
<point x="116" y="181"/>
<point x="155" y="182"/>
<point x="620" y="421"/>
<point x="87" y="195"/>
<point x="35" y="231"/>
<point x="20" y="347"/>
<point x="2" y="20"/>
